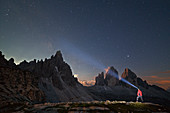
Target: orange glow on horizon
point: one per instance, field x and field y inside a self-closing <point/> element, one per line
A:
<point x="87" y="82"/>
<point x="163" y="82"/>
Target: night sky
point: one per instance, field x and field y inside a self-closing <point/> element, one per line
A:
<point x="131" y="34"/>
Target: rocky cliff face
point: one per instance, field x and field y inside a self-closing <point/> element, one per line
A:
<point x="54" y="68"/>
<point x="50" y="80"/>
<point x="108" y="79"/>
<point x="100" y="79"/>
<point x="17" y="85"/>
<point x="56" y="79"/>
<point x="111" y="80"/>
<point x="132" y="78"/>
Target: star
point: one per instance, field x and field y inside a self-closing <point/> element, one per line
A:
<point x="128" y="56"/>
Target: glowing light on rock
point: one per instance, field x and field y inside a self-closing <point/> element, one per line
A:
<point x="76" y="75"/>
<point x="109" y="71"/>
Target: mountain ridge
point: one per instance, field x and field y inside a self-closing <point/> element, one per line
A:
<point x="53" y="76"/>
<point x="52" y="80"/>
<point x="116" y="89"/>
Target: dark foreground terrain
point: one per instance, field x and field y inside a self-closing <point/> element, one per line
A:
<point x="85" y="107"/>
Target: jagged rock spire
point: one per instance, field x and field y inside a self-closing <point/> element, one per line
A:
<point x="128" y="74"/>
<point x="108" y="80"/>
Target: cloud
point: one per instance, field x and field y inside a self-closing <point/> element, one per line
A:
<point x="165" y="72"/>
<point x="87" y="82"/>
<point x="163" y="82"/>
<point x="156" y="77"/>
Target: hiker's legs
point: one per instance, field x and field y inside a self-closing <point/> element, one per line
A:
<point x="137" y="98"/>
<point x="141" y="98"/>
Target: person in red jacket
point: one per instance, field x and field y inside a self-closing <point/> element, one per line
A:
<point x="139" y="95"/>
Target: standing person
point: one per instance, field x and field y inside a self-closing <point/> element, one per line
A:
<point x="139" y="95"/>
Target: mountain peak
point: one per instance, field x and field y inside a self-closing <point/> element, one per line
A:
<point x="58" y="53"/>
<point x="6" y="63"/>
<point x="111" y="69"/>
<point x="128" y="74"/>
<point x="58" y="56"/>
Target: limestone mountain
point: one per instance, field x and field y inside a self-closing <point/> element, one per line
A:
<point x="17" y="85"/>
<point x="132" y="78"/>
<point x="100" y="79"/>
<point x="56" y="79"/>
<point x="118" y="90"/>
<point x="50" y="80"/>
<point x="107" y="79"/>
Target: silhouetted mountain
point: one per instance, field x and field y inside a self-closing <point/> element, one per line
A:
<point x="56" y="79"/>
<point x="6" y="63"/>
<point x="118" y="90"/>
<point x="100" y="79"/>
<point x="17" y="85"/>
<point x="50" y="80"/>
